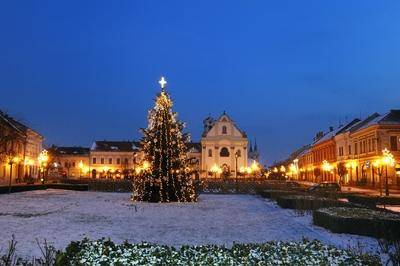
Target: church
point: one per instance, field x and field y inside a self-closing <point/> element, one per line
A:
<point x="223" y="148"/>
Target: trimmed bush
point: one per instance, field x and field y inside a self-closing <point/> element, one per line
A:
<point x="304" y="202"/>
<point x="274" y="194"/>
<point x="105" y="252"/>
<point x="372" y="201"/>
<point x="359" y="221"/>
<point x="76" y="187"/>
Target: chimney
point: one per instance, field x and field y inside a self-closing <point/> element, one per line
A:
<point x="330" y="129"/>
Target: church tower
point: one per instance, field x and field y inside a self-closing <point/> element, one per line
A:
<point x="253" y="152"/>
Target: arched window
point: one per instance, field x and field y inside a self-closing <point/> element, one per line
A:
<point x="224" y="152"/>
<point x="224" y="130"/>
<point x="209" y="152"/>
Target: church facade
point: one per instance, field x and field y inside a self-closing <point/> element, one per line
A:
<point x="223" y="147"/>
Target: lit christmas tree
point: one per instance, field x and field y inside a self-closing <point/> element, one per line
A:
<point x="164" y="175"/>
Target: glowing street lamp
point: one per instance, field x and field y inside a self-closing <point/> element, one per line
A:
<point x="387" y="160"/>
<point x="216" y="170"/>
<point x="81" y="166"/>
<point x="11" y="161"/>
<point x="283" y="169"/>
<point x="43" y="159"/>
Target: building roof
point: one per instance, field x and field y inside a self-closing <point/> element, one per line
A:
<point x="390" y="118"/>
<point x="335" y="131"/>
<point x="15" y="124"/>
<point x="72" y="150"/>
<point x="194" y="147"/>
<point x="115" y="146"/>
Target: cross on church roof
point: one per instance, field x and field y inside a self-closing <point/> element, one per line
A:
<point x="162" y="82"/>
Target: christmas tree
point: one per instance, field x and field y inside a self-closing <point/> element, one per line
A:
<point x="165" y="173"/>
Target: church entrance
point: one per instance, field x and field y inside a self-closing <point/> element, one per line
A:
<point x="226" y="171"/>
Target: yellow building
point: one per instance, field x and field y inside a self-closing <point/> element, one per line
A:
<point x="20" y="147"/>
<point x="370" y="137"/>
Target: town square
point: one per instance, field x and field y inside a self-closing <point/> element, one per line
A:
<point x="213" y="133"/>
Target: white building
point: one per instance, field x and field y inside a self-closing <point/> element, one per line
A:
<point x="223" y="145"/>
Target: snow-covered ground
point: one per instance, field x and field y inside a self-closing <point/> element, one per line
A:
<point x="61" y="216"/>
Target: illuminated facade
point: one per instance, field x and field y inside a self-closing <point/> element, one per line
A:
<point x="222" y="144"/>
<point x="358" y="146"/>
<point x="21" y="146"/>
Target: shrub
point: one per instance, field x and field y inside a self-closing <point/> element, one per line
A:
<point x="104" y="252"/>
<point x="359" y="221"/>
<point x="372" y="201"/>
<point x="305" y="202"/>
<point x="274" y="194"/>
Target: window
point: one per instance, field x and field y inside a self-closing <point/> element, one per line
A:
<point x="349" y="149"/>
<point x="102" y="160"/>
<point x="224" y="152"/>
<point x="126" y="160"/>
<point x="118" y="161"/>
<point x="94" y="160"/>
<point x="355" y="148"/>
<point x="73" y="164"/>
<point x="109" y="160"/>
<point x="369" y="145"/>
<point x="224" y="131"/>
<point x="209" y="152"/>
<point x="393" y="143"/>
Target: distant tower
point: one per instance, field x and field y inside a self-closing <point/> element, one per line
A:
<point x="253" y="152"/>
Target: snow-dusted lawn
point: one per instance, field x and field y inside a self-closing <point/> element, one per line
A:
<point x="62" y="216"/>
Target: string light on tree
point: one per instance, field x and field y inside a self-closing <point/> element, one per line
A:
<point x="163" y="175"/>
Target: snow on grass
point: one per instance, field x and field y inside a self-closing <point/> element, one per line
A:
<point x="62" y="216"/>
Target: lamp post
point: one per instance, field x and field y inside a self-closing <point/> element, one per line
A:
<point x="237" y="154"/>
<point x="80" y="165"/>
<point x="43" y="158"/>
<point x="11" y="161"/>
<point x="326" y="167"/>
<point x="387" y="159"/>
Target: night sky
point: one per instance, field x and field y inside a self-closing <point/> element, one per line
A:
<point x="79" y="71"/>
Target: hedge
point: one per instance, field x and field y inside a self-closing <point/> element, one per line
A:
<point x="304" y="202"/>
<point x="274" y="194"/>
<point x="23" y="188"/>
<point x="359" y="221"/>
<point x="372" y="201"/>
<point x="105" y="252"/>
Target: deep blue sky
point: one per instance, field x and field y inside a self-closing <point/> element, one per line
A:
<point x="78" y="71"/>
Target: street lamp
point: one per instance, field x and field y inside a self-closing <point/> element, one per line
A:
<point x="215" y="169"/>
<point x="327" y="167"/>
<point x="11" y="161"/>
<point x="387" y="159"/>
<point x="43" y="159"/>
<point x="80" y="165"/>
<point x="237" y="155"/>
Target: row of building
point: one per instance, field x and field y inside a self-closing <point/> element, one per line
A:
<point x="222" y="152"/>
<point x="20" y="147"/>
<point x="352" y="153"/>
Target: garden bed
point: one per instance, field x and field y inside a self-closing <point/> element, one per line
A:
<point x="307" y="202"/>
<point x="105" y="252"/>
<point x="359" y="221"/>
